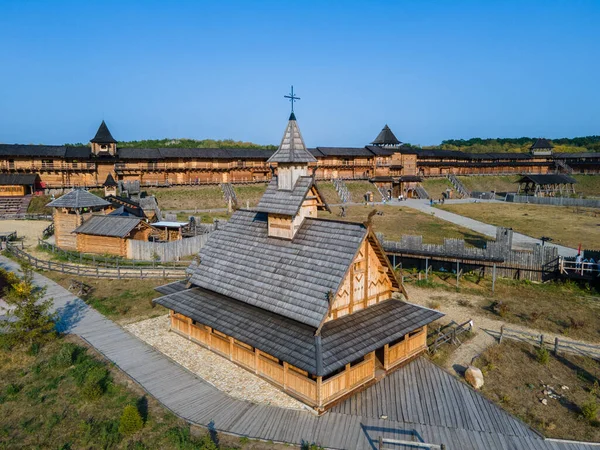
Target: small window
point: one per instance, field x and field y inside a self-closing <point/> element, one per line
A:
<point x="414" y="333"/>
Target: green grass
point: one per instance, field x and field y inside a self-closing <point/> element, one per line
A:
<point x="328" y="192"/>
<point x="249" y="194"/>
<point x="491" y="183"/>
<point x="587" y="185"/>
<point x="38" y="205"/>
<point x="123" y="301"/>
<point x="191" y="198"/>
<point x="436" y="186"/>
<point x="48" y="401"/>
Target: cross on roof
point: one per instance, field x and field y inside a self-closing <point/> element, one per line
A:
<point x="292" y="98"/>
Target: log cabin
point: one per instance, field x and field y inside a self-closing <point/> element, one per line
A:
<point x="550" y="185"/>
<point x="109" y="234"/>
<point x="19" y="184"/>
<point x="70" y="211"/>
<point x="309" y="304"/>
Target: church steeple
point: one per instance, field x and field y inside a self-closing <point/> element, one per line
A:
<point x="291" y="157"/>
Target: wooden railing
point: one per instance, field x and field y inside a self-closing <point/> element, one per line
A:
<point x="97" y="271"/>
<point x="406" y="348"/>
<point x="341" y="383"/>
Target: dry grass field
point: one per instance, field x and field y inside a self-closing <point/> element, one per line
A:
<point x="588" y="185"/>
<point x="517" y="381"/>
<point x="569" y="226"/>
<point x="397" y="220"/>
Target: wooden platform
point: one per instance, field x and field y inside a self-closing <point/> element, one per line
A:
<point x="420" y="400"/>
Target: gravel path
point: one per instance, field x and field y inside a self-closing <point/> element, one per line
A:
<point x="220" y="372"/>
<point x="486" y="329"/>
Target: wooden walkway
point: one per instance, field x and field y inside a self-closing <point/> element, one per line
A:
<point x="421" y="401"/>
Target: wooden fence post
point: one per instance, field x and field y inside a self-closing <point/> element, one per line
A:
<point x="556" y="346"/>
<point x="493" y="277"/>
<point x="501" y="334"/>
<point x="541" y="340"/>
<point x="457" y="272"/>
<point x="426" y="267"/>
<point x="380" y="444"/>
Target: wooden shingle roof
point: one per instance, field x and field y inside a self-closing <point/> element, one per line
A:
<point x="78" y="198"/>
<point x="290" y="278"/>
<point x="548" y="179"/>
<point x="386" y="137"/>
<point x="111" y="226"/>
<point x="103" y="135"/>
<point x="19" y="179"/>
<point x="294" y="342"/>
<point x="541" y="143"/>
<point x="292" y="148"/>
<point x="284" y="202"/>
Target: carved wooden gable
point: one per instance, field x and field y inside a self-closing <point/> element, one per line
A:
<point x="369" y="280"/>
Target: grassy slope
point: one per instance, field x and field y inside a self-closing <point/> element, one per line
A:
<point x="567" y="226"/>
<point x="42" y="406"/>
<point x="397" y="221"/>
<point x="358" y="189"/>
<point x="436" y="186"/>
<point x="588" y="185"/>
<point x="38" y="205"/>
<point x="328" y="191"/>
<point x="487" y="184"/>
<point x="514" y="378"/>
<point x="193" y="197"/>
<point x="249" y="193"/>
<point x="123" y="301"/>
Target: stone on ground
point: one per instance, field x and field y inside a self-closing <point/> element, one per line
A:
<point x="474" y="377"/>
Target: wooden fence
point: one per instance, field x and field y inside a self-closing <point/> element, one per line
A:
<point x="496" y="259"/>
<point x="165" y="251"/>
<point x="449" y="334"/>
<point x="558" y="345"/>
<point x="98" y="271"/>
<point x="555" y="201"/>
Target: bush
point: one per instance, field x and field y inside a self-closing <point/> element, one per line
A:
<point x="95" y="383"/>
<point x="432" y="304"/>
<point x="543" y="355"/>
<point x="500" y="308"/>
<point x="66" y="355"/>
<point x="589" y="409"/>
<point x="131" y="421"/>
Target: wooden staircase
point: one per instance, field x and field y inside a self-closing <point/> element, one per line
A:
<point x="14" y="206"/>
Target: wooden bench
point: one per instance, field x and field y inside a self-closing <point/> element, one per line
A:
<point x="80" y="287"/>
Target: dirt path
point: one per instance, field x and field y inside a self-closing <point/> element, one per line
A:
<point x="486" y="329"/>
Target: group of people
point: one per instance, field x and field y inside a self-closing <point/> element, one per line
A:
<point x="588" y="265"/>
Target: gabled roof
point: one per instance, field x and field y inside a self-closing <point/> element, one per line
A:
<point x="292" y="148"/>
<point x="386" y="137"/>
<point x="103" y="135"/>
<point x="541" y="143"/>
<point x="19" y="179"/>
<point x="110" y="181"/>
<point x="548" y="179"/>
<point x="112" y="226"/>
<point x="294" y="342"/>
<point x="129" y="205"/>
<point x="292" y="278"/>
<point x="287" y="203"/>
<point x="78" y="198"/>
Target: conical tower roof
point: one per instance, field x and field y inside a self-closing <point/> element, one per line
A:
<point x="110" y="181"/>
<point x="386" y="137"/>
<point x="103" y="136"/>
<point x="292" y="148"/>
<point x="541" y="143"/>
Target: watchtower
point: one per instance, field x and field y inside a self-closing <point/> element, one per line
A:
<point x="103" y="143"/>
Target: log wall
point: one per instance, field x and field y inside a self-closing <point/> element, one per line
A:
<point x="318" y="392"/>
<point x="87" y="243"/>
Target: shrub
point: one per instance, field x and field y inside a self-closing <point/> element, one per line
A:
<point x="543" y="355"/>
<point x="12" y="389"/>
<point x="576" y="324"/>
<point x="66" y="355"/>
<point x="589" y="409"/>
<point x="95" y="383"/>
<point x="534" y="316"/>
<point x="464" y="302"/>
<point x="432" y="304"/>
<point x="131" y="421"/>
<point x="500" y="308"/>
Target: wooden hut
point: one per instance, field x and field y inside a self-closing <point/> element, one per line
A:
<point x="18" y="184"/>
<point x="547" y="185"/>
<point x="109" y="234"/>
<point x="110" y="186"/>
<point x="70" y="211"/>
<point x="303" y="302"/>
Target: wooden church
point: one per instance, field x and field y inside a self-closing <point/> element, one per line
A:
<point x="304" y="302"/>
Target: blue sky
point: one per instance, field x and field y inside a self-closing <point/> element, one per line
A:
<point x="431" y="70"/>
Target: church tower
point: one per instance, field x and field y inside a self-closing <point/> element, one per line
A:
<point x="292" y="195"/>
<point x="103" y="143"/>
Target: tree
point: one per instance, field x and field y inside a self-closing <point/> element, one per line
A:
<point x="34" y="321"/>
<point x="131" y="421"/>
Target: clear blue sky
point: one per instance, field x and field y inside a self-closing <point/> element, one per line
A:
<point x="431" y="70"/>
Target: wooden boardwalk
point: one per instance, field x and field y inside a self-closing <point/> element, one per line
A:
<point x="419" y="401"/>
